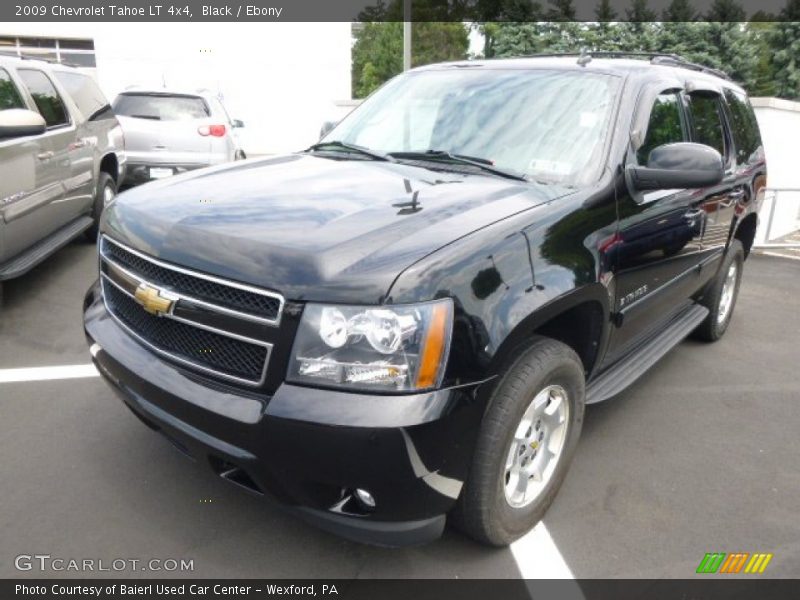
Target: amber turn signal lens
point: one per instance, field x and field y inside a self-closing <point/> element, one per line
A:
<point x="433" y="349"/>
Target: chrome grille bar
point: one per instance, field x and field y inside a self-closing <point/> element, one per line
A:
<point x="223" y="283"/>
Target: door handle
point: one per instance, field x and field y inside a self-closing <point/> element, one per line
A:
<point x="732" y="198"/>
<point x="694" y="213"/>
<point x="46" y="155"/>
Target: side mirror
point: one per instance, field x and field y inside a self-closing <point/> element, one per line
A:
<point x="678" y="166"/>
<point x="19" y="122"/>
<point x="237" y="123"/>
<point x="327" y="126"/>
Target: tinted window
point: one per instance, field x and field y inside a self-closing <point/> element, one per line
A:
<point x="9" y="95"/>
<point x="664" y="126"/>
<point x="161" y="107"/>
<point x="706" y="122"/>
<point x="746" y="136"/>
<point x="84" y="91"/>
<point x="45" y="96"/>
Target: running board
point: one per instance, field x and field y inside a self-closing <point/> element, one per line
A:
<point x="629" y="369"/>
<point x="22" y="263"/>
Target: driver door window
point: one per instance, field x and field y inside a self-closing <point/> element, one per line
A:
<point x="664" y="127"/>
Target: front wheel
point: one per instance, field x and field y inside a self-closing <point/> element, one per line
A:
<point x="526" y="443"/>
<point x="106" y="191"/>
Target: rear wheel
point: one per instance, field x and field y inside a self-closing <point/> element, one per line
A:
<point x="720" y="298"/>
<point x="106" y="191"/>
<point x="526" y="443"/>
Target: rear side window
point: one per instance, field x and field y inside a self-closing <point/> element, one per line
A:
<point x="707" y="121"/>
<point x="161" y="107"/>
<point x="664" y="126"/>
<point x="48" y="102"/>
<point x="87" y="96"/>
<point x="9" y="94"/>
<point x="746" y="136"/>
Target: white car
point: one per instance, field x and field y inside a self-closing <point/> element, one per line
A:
<point x="170" y="131"/>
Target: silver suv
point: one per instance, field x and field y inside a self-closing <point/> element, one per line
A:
<point x="61" y="157"/>
<point x="170" y="131"/>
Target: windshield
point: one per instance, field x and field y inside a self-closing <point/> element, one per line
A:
<point x="161" y="107"/>
<point x="547" y="125"/>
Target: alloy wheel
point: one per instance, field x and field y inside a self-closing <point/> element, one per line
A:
<point x="537" y="446"/>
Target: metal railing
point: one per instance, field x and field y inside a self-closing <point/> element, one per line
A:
<point x="790" y="237"/>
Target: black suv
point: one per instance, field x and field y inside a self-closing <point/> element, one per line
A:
<point x="405" y="321"/>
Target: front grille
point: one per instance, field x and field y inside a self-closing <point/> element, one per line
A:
<point x="200" y="348"/>
<point x="259" y="304"/>
<point x="213" y="325"/>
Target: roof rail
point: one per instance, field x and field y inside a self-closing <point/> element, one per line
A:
<point x="656" y="58"/>
<point x="678" y="61"/>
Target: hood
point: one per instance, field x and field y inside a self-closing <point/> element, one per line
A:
<point x="309" y="227"/>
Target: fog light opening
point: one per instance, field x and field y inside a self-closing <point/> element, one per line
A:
<point x="365" y="500"/>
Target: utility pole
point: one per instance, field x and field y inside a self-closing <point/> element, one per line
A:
<point x="406" y="35"/>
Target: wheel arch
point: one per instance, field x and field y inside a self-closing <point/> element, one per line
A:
<point x="746" y="232"/>
<point x="746" y="228"/>
<point x="110" y="164"/>
<point x="577" y="319"/>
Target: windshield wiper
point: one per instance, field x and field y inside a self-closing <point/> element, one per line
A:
<point x="352" y="148"/>
<point x="439" y="155"/>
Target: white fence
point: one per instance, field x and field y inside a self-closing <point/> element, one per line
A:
<point x="780" y="219"/>
<point x="779" y="121"/>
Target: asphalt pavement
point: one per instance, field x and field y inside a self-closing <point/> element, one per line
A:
<point x="700" y="455"/>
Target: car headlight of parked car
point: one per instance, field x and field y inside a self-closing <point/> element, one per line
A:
<point x="391" y="348"/>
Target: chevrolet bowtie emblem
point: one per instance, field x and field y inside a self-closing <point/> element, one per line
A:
<point x="152" y="300"/>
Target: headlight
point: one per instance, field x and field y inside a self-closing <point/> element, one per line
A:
<point x="387" y="348"/>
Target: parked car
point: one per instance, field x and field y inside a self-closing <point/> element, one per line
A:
<point x="169" y="132"/>
<point x="61" y="157"/>
<point x="405" y="321"/>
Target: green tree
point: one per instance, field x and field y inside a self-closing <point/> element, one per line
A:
<point x="378" y="50"/>
<point x="640" y="32"/>
<point x="605" y="12"/>
<point x="679" y="11"/>
<point x="726" y="10"/>
<point x="523" y="39"/>
<point x="784" y="41"/>
<point x="760" y="32"/>
<point x="561" y="10"/>
<point x="640" y="12"/>
<point x="491" y="12"/>
<point x="791" y="12"/>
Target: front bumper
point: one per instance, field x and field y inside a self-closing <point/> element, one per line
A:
<point x="139" y="172"/>
<point x="307" y="448"/>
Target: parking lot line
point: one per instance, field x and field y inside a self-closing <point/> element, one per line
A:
<point x="48" y="373"/>
<point x="538" y="557"/>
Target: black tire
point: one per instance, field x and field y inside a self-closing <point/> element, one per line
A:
<point x="714" y="327"/>
<point x="104" y="182"/>
<point x="482" y="511"/>
<point x="240" y="155"/>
